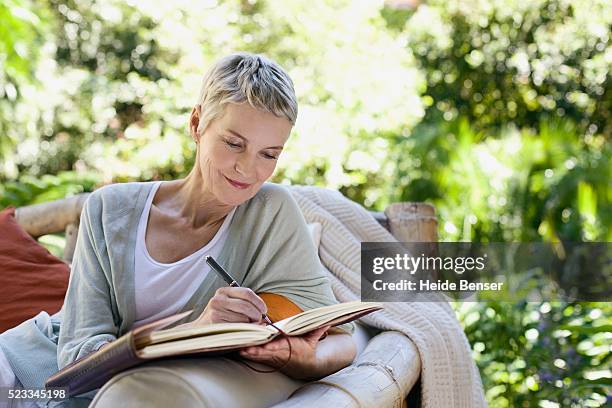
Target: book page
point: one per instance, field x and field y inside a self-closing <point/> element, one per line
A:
<point x="161" y="336"/>
<point x="315" y="318"/>
<point x="212" y="342"/>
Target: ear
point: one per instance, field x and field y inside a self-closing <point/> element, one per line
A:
<point x="194" y="121"/>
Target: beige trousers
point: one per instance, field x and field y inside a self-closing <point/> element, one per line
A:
<point x="195" y="382"/>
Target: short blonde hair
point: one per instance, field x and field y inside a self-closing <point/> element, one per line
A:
<point x="245" y="77"/>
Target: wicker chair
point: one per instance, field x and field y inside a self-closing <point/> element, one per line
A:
<point x="373" y="369"/>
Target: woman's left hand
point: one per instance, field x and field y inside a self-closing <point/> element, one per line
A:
<point x="302" y="363"/>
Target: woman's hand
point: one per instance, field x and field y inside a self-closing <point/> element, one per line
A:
<point x="232" y="305"/>
<point x="310" y="358"/>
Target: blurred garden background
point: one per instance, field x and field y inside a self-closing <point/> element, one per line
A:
<point x="495" y="111"/>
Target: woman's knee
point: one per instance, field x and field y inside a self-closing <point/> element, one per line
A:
<point x="148" y="387"/>
<point x="201" y="382"/>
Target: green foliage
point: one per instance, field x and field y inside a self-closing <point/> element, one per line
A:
<point x="520" y="186"/>
<point x="21" y="36"/>
<point x="32" y="190"/>
<point x="120" y="76"/>
<point x="20" y="31"/>
<point x="531" y="352"/>
<point x="111" y="41"/>
<point x="496" y="62"/>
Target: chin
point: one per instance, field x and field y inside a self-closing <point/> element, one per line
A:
<point x="234" y="197"/>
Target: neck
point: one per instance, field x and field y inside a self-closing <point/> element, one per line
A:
<point x="193" y="201"/>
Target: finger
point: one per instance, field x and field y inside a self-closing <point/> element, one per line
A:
<point x="274" y="346"/>
<point x="252" y="353"/>
<point x="317" y="334"/>
<point x="221" y="301"/>
<point x="243" y="307"/>
<point x="228" y="316"/>
<point x="260" y="351"/>
<point x="261" y="355"/>
<point x="248" y="295"/>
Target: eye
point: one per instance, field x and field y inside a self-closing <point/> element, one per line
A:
<point x="269" y="156"/>
<point x="232" y="145"/>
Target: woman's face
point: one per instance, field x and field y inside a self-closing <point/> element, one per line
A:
<point x="239" y="150"/>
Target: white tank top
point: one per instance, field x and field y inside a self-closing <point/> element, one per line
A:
<point x="162" y="289"/>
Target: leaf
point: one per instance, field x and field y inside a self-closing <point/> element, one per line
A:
<point x="606" y="328"/>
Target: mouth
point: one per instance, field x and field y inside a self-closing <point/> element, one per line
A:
<point x="237" y="184"/>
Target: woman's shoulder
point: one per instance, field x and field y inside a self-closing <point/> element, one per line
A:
<point x="274" y="196"/>
<point x="118" y="197"/>
<point x="273" y="202"/>
<point x="274" y="192"/>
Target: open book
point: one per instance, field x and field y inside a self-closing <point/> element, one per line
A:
<point x="151" y="341"/>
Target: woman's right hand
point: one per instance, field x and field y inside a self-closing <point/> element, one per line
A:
<point x="232" y="305"/>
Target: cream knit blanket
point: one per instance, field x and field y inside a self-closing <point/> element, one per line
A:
<point x="449" y="376"/>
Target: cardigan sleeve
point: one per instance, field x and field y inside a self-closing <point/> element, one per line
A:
<point x="87" y="318"/>
<point x="287" y="262"/>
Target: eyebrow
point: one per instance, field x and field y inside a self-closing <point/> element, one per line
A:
<point x="245" y="139"/>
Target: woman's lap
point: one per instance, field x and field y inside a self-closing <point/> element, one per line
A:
<point x="203" y="382"/>
<point x="195" y="382"/>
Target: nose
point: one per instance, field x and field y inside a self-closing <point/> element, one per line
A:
<point x="244" y="165"/>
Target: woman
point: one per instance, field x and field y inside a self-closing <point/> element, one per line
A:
<point x="141" y="246"/>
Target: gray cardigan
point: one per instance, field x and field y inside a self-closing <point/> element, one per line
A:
<point x="268" y="249"/>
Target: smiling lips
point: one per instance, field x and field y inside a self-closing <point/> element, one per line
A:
<point x="237" y="184"/>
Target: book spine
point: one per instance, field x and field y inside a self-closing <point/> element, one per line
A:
<point x="92" y="371"/>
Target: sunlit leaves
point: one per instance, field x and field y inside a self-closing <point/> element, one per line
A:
<point x="538" y="56"/>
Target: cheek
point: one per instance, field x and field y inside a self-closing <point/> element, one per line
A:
<point x="265" y="170"/>
<point x="217" y="157"/>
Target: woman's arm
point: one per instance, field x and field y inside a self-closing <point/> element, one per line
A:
<point x="87" y="317"/>
<point x="310" y="357"/>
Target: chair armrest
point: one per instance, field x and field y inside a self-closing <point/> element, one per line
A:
<point x="52" y="216"/>
<point x="377" y="378"/>
<point x="412" y="222"/>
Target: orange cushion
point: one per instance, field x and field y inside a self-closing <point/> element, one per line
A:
<point x="31" y="278"/>
<point x="279" y="307"/>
